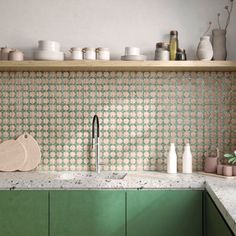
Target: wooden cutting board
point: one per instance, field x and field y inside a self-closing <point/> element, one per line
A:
<point x="215" y="175"/>
<point x="12" y="155"/>
<point x="32" y="148"/>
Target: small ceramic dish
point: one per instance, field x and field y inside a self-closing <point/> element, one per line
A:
<point x="48" y="55"/>
<point x="134" y="58"/>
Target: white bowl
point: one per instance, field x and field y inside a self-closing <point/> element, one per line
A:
<point x="48" y="55"/>
<point x="46" y="45"/>
<point x="132" y="51"/>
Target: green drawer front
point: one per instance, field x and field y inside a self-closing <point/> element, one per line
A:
<point x="164" y="213"/>
<point x="23" y="213"/>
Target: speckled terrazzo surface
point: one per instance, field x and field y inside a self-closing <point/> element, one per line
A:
<point x="223" y="191"/>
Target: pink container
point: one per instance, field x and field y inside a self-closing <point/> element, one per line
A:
<point x="219" y="169"/>
<point x="234" y="170"/>
<point x="210" y="164"/>
<point x="227" y="171"/>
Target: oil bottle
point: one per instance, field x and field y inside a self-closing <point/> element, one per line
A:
<point x="173" y="44"/>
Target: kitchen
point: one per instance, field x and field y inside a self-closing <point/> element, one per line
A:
<point x="63" y="62"/>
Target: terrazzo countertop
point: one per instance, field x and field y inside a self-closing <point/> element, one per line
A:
<point x="223" y="191"/>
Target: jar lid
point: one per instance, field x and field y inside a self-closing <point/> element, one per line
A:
<point x="75" y="49"/>
<point x="181" y="50"/>
<point x="173" y="32"/>
<point x="163" y="45"/>
<point x="102" y="49"/>
<point x="88" y="49"/>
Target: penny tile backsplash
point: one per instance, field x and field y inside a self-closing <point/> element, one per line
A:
<point x="140" y="114"/>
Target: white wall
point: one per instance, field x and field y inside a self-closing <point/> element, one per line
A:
<point x="109" y="23"/>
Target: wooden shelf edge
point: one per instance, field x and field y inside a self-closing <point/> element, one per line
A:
<point x="168" y="66"/>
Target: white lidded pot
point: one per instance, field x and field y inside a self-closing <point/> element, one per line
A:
<point x="76" y="54"/>
<point x="103" y="54"/>
<point x="16" y="55"/>
<point x="89" y="54"/>
<point x="205" y="50"/>
<point x="5" y="52"/>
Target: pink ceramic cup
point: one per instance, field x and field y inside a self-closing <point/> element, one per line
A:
<point x="234" y="170"/>
<point x="219" y="169"/>
<point x="227" y="171"/>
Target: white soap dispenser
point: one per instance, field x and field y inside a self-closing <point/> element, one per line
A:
<point x="187" y="159"/>
<point x="172" y="160"/>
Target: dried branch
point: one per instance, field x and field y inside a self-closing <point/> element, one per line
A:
<point x="229" y="11"/>
<point x="208" y="28"/>
<point x="218" y="20"/>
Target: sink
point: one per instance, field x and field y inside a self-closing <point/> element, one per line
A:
<point x="113" y="175"/>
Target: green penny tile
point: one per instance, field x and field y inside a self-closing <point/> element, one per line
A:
<point x="140" y="114"/>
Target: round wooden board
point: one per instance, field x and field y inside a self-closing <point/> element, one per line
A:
<point x="33" y="152"/>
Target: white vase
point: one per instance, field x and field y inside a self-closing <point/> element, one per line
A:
<point x="219" y="44"/>
<point x="205" y="50"/>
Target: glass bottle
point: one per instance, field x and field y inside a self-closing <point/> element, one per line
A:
<point x="173" y="44"/>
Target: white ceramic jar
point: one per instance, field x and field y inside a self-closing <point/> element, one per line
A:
<point x="16" y="55"/>
<point x="5" y="52"/>
<point x="162" y="52"/>
<point x="132" y="51"/>
<point x="103" y="54"/>
<point x="76" y="54"/>
<point x="205" y="50"/>
<point x="89" y="54"/>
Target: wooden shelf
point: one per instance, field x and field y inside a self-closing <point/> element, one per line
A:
<point x="169" y="66"/>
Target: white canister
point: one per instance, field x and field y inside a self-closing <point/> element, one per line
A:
<point x="103" y="54"/>
<point x="89" y="54"/>
<point x="16" y="55"/>
<point x="187" y="159"/>
<point x="132" y="51"/>
<point x="4" y="53"/>
<point x="205" y="50"/>
<point x="76" y="54"/>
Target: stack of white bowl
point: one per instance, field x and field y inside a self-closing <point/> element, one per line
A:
<point x="48" y="50"/>
<point x="133" y="54"/>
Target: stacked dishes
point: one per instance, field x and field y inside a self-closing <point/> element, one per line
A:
<point x="48" y="50"/>
<point x="133" y="54"/>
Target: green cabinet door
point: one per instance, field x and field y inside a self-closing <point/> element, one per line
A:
<point x="214" y="222"/>
<point x="87" y="213"/>
<point x="164" y="213"/>
<point x="23" y="213"/>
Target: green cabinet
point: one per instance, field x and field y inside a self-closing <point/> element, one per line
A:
<point x="87" y="213"/>
<point x="164" y="212"/>
<point x="215" y="224"/>
<point x="23" y="213"/>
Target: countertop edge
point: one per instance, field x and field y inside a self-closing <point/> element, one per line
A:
<point x="228" y="218"/>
